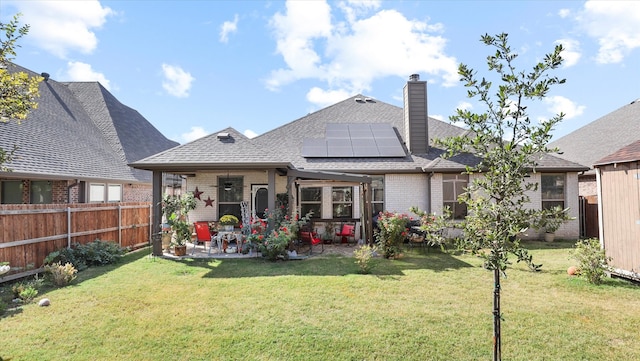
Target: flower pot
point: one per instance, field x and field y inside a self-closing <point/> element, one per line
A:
<point x="549" y="237"/>
<point x="180" y="250"/>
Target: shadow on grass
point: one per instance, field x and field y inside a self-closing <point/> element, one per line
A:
<point x="330" y="265"/>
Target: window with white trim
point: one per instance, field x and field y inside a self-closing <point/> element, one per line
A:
<point x="311" y="201"/>
<point x="342" y="199"/>
<point x="552" y="190"/>
<point x="453" y="185"/>
<point x="377" y="194"/>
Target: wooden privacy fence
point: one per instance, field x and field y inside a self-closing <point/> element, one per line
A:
<point x="29" y="232"/>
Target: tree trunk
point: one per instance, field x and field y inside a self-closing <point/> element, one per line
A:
<point x="497" y="352"/>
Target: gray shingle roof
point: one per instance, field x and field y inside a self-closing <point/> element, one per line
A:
<point x="283" y="146"/>
<point x="601" y="137"/>
<point x="80" y="131"/>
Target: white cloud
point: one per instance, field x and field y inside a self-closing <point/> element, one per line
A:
<point x="436" y="116"/>
<point x="615" y="25"/>
<point x="563" y="13"/>
<point x="177" y="82"/>
<point x="571" y="53"/>
<point x="60" y="27"/>
<point x="558" y="104"/>
<point x="323" y="98"/>
<point x="78" y="71"/>
<point x="250" y="133"/>
<point x="350" y="55"/>
<point x="195" y="133"/>
<point x="464" y="105"/>
<point x="227" y="28"/>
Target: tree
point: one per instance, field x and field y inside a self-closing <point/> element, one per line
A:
<point x="18" y="90"/>
<point x="508" y="145"/>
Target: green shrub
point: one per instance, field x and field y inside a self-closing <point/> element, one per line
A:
<point x="81" y="256"/>
<point x="61" y="275"/>
<point x="99" y="253"/>
<point x="64" y="256"/>
<point x="592" y="261"/>
<point x="26" y="290"/>
<point x="364" y="256"/>
<point x="3" y="307"/>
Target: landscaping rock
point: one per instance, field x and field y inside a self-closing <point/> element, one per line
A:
<point x="44" y="302"/>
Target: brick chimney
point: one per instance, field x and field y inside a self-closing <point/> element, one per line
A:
<point x="415" y="115"/>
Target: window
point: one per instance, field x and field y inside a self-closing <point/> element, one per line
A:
<point x="11" y="192"/>
<point x="41" y="192"/>
<point x="96" y="192"/>
<point x="453" y="185"/>
<point x="552" y="190"/>
<point x="342" y="198"/>
<point x="311" y="201"/>
<point x="230" y="196"/>
<point x="100" y="193"/>
<point x="114" y="193"/>
<point x="377" y="194"/>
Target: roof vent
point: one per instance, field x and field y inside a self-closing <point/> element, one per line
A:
<point x="359" y="100"/>
<point x="414" y="77"/>
<point x="224" y="135"/>
<point x="370" y="100"/>
<point x="45" y="76"/>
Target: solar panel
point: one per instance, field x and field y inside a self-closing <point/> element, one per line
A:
<point x="355" y="140"/>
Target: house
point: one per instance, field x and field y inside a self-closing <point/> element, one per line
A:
<point x="589" y="144"/>
<point x="618" y="185"/>
<point x="76" y="146"/>
<point x="345" y="162"/>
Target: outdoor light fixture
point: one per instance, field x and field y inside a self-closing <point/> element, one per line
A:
<point x="227" y="184"/>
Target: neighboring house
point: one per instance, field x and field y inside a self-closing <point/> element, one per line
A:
<point x="592" y="142"/>
<point x="618" y="183"/>
<point x="76" y="146"/>
<point x="345" y="162"/>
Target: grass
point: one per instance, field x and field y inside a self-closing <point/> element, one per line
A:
<point x="426" y="306"/>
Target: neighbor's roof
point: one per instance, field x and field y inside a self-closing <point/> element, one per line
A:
<point x="601" y="137"/>
<point x="80" y="131"/>
<point x="282" y="146"/>
<point x="629" y="153"/>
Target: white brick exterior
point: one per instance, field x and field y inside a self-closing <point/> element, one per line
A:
<point x="402" y="191"/>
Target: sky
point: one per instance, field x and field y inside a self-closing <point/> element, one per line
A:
<point x="193" y="68"/>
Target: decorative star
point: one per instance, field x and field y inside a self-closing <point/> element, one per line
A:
<point x="208" y="202"/>
<point x="197" y="194"/>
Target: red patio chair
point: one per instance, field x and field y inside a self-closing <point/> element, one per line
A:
<point x="311" y="238"/>
<point x="347" y="232"/>
<point x="202" y="234"/>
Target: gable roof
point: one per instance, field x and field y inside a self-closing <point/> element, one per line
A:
<point x="601" y="137"/>
<point x="80" y="131"/>
<point x="282" y="146"/>
<point x="629" y="153"/>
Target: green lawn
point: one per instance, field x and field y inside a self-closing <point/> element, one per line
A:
<point x="431" y="306"/>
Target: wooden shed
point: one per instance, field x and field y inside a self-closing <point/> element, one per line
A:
<point x="618" y="182"/>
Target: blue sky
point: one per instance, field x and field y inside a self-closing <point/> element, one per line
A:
<point x="195" y="67"/>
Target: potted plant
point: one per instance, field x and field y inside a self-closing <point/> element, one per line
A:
<point x="228" y="221"/>
<point x="551" y="220"/>
<point x="176" y="210"/>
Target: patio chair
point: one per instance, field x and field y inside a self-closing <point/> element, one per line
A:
<point x="310" y="239"/>
<point x="346" y="233"/>
<point x="202" y="234"/>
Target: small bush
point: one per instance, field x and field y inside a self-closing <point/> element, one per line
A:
<point x="592" y="261"/>
<point x="61" y="275"/>
<point x="81" y="256"/>
<point x="364" y="256"/>
<point x="99" y="253"/>
<point x="3" y="307"/>
<point x="26" y="290"/>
